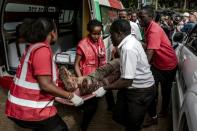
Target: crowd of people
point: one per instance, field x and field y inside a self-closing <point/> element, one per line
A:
<point x="142" y="51"/>
<point x="173" y="22"/>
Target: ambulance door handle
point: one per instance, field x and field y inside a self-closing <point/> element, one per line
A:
<point x="184" y="58"/>
<point x="195" y="77"/>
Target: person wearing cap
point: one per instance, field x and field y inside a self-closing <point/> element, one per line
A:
<point x="195" y="13"/>
<point x="185" y="17"/>
<point x="190" y="24"/>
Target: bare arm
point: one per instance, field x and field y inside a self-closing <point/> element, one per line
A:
<point x="47" y="85"/>
<point x="119" y="84"/>
<point x="114" y="53"/>
<point x="77" y="66"/>
<point x="105" y="70"/>
<point x="149" y="53"/>
<point x="143" y="45"/>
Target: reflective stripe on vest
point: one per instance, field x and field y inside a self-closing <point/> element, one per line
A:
<point x="29" y="103"/>
<point x="26" y="84"/>
<point x="21" y="82"/>
<point x="25" y="64"/>
<point x="54" y="71"/>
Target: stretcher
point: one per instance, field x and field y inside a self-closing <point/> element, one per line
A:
<point x="77" y="92"/>
<point x="68" y="102"/>
<point x="101" y="77"/>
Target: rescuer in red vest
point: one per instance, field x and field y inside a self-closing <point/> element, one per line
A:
<point x="32" y="93"/>
<point x="90" y="55"/>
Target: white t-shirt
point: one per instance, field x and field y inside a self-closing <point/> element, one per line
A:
<point x="137" y="21"/>
<point x="135" y="30"/>
<point x="134" y="63"/>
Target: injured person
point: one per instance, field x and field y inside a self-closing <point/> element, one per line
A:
<point x="91" y="84"/>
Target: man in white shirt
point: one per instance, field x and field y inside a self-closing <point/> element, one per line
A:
<point x="136" y="81"/>
<point x="135" y="30"/>
<point x="134" y="17"/>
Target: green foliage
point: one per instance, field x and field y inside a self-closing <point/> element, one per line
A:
<point x="130" y="3"/>
<point x="163" y="4"/>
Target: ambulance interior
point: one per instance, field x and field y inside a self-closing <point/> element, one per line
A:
<point x="67" y="15"/>
<point x="70" y="16"/>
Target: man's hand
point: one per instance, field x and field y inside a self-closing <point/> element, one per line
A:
<point x="99" y="92"/>
<point x="76" y="100"/>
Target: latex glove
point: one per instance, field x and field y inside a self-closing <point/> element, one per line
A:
<point x="99" y="92"/>
<point x="76" y="100"/>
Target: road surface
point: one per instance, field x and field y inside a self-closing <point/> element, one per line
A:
<point x="102" y="120"/>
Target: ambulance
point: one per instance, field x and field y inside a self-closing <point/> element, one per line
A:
<point x="71" y="17"/>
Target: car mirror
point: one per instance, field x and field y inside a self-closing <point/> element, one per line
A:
<point x="178" y="37"/>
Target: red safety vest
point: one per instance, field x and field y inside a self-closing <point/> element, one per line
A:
<point x="94" y="57"/>
<point x="25" y="100"/>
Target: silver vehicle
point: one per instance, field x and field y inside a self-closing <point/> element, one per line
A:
<point x="184" y="92"/>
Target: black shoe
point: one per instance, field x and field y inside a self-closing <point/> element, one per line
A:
<point x="150" y="121"/>
<point x="110" y="109"/>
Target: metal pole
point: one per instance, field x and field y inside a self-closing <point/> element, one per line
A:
<point x="138" y="4"/>
<point x="156" y="4"/>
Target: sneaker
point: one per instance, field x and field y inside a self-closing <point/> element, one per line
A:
<point x="150" y="121"/>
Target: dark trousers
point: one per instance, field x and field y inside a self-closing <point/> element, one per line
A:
<point x="89" y="108"/>
<point x="110" y="100"/>
<point x="131" y="106"/>
<point x="165" y="78"/>
<point x="54" y="123"/>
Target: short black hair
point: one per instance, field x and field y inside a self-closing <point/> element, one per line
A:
<point x="149" y="10"/>
<point x="37" y="29"/>
<point x="92" y="24"/>
<point x="121" y="25"/>
<point x="21" y="29"/>
<point x="178" y="37"/>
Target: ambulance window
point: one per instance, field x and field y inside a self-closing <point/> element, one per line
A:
<point x="15" y="11"/>
<point x="66" y="16"/>
<point x="108" y="15"/>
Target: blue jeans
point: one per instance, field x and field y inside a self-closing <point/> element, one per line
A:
<point x="131" y="107"/>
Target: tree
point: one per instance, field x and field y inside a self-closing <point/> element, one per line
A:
<point x="157" y="3"/>
<point x="185" y="4"/>
<point x="125" y="3"/>
<point x="130" y="3"/>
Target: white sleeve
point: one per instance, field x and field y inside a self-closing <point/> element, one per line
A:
<point x="137" y="32"/>
<point x="128" y="63"/>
